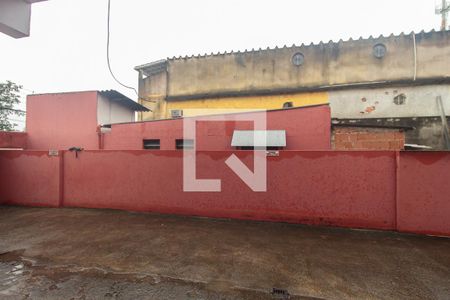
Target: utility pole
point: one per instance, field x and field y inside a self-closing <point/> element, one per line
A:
<point x="443" y="11"/>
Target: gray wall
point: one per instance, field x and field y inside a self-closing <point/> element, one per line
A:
<point x="15" y="17"/>
<point x="420" y="101"/>
<point x="110" y="112"/>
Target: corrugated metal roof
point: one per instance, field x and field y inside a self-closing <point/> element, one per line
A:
<point x="114" y="95"/>
<point x="259" y="138"/>
<point x="153" y="67"/>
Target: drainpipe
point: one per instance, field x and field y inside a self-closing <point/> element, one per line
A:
<point x="140" y="87"/>
<point x="415" y="56"/>
<point x="445" y="130"/>
<point x="100" y="137"/>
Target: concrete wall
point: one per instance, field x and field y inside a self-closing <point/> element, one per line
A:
<point x="153" y="91"/>
<point x="419" y="101"/>
<point x="413" y="106"/>
<point x="306" y="128"/>
<point x="109" y="112"/>
<point x="15" y="18"/>
<point x="354" y="103"/>
<point x="267" y="77"/>
<point x="61" y="121"/>
<point x="324" y="65"/>
<point x="379" y="189"/>
<point x="202" y="106"/>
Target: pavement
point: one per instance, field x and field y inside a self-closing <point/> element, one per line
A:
<point x="68" y="253"/>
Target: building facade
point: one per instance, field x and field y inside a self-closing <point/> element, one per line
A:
<point x="305" y="128"/>
<point x="393" y="80"/>
<point x="15" y="17"/>
<point x="105" y="120"/>
<point x="64" y="120"/>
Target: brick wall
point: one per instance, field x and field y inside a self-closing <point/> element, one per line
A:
<point x="358" y="138"/>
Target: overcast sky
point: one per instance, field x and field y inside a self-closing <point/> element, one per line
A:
<point x="67" y="47"/>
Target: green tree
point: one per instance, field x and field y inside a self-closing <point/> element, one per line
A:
<point x="9" y="96"/>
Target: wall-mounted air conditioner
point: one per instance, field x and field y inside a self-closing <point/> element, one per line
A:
<point x="176" y="113"/>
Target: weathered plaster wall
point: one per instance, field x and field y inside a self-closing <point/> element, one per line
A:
<point x="324" y="64"/>
<point x="419" y="101"/>
<point x="413" y="106"/>
<point x="267" y="77"/>
<point x="153" y="90"/>
<point x="203" y="106"/>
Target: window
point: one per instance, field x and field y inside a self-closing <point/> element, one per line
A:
<point x="268" y="148"/>
<point x="400" y="99"/>
<point x="298" y="59"/>
<point x="184" y="144"/>
<point x="288" y="105"/>
<point x="379" y="51"/>
<point x="153" y="144"/>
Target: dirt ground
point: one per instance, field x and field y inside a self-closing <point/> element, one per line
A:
<point x="90" y="254"/>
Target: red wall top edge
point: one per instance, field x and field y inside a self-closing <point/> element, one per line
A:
<point x="13" y="139"/>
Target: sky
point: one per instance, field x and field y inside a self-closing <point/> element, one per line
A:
<point x="67" y="47"/>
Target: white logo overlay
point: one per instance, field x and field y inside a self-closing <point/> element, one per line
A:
<point x="255" y="180"/>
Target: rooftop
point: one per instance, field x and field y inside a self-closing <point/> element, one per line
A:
<point x="112" y="95"/>
<point x="159" y="65"/>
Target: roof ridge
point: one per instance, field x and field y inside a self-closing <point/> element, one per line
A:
<point x="312" y="44"/>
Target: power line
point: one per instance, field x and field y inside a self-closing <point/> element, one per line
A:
<point x="107" y="53"/>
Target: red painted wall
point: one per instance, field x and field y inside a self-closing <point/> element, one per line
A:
<point x="306" y="128"/>
<point x="377" y="189"/>
<point x="61" y="121"/>
<point x="333" y="188"/>
<point x="12" y="139"/>
<point x="29" y="178"/>
<point x="424" y="192"/>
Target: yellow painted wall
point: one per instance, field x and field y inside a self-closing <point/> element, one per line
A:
<point x="251" y="102"/>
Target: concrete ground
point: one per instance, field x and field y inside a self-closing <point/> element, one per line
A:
<point x="90" y="254"/>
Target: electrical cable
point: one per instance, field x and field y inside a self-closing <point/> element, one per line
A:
<point x="107" y="53"/>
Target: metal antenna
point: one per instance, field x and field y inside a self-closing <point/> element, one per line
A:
<point x="443" y="11"/>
